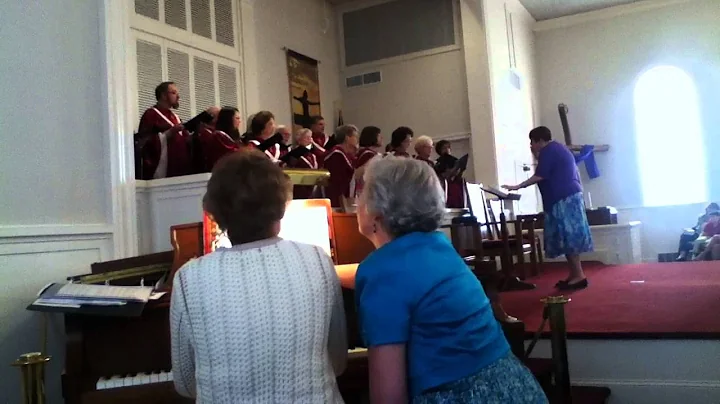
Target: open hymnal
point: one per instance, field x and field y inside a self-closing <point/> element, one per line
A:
<point x="77" y="291"/>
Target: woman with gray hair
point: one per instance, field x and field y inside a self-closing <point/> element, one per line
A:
<point x="427" y="323"/>
<point x="339" y="161"/>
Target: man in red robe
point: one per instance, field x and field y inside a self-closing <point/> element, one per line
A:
<point x="165" y="148"/>
<point x="319" y="139"/>
<point x="339" y="161"/>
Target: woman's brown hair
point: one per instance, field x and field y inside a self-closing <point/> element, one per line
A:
<point x="246" y="195"/>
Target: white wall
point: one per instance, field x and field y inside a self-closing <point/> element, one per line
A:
<point x="511" y="49"/>
<point x="307" y="27"/>
<point x="593" y="66"/>
<point x="54" y="169"/>
<point x="427" y="93"/>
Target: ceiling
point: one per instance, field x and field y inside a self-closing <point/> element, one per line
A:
<point x="548" y="9"/>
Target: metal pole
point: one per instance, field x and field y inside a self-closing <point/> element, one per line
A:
<point x="558" y="342"/>
<point x="32" y="367"/>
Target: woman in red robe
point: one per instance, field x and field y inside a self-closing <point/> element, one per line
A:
<point x="224" y="139"/>
<point x="400" y="141"/>
<point x="262" y="129"/>
<point x="370" y="146"/>
<point x="340" y="162"/>
<point x="424" y="148"/>
<point x="307" y="161"/>
<point x="451" y="178"/>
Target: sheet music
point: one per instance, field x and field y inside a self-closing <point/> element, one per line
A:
<point x="104" y="292"/>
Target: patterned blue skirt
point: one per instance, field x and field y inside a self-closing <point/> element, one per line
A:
<point x="507" y="381"/>
<point x="566" y="228"/>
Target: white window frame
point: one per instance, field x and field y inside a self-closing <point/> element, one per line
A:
<point x="192" y="52"/>
<point x="157" y="31"/>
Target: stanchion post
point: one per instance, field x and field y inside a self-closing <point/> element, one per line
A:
<point x="558" y="342"/>
<point x="32" y="368"/>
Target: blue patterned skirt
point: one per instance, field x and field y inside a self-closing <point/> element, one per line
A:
<point x="506" y="381"/>
<point x="566" y="228"/>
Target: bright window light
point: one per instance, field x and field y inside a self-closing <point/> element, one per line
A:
<point x="671" y="156"/>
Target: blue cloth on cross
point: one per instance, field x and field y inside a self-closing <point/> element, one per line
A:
<point x="587" y="155"/>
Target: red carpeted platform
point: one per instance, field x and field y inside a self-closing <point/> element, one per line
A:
<point x="654" y="300"/>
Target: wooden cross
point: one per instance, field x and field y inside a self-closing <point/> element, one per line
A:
<point x="563" y="109"/>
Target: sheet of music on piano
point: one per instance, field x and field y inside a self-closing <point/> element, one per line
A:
<point x="76" y="295"/>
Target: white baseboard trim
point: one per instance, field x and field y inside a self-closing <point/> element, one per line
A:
<point x="54" y="230"/>
<point x="703" y="384"/>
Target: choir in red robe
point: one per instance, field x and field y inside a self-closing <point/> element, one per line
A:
<point x="341" y="170"/>
<point x="307" y="161"/>
<point x="215" y="145"/>
<point x="164" y="154"/>
<point x="365" y="154"/>
<point x="454" y="192"/>
<point x="274" y="152"/>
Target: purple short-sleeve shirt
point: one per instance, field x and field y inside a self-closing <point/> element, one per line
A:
<point x="560" y="176"/>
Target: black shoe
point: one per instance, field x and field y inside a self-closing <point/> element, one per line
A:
<point x="574" y="286"/>
<point x="561" y="282"/>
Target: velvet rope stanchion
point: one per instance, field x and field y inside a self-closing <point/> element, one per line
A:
<point x="558" y="340"/>
<point x="32" y="367"/>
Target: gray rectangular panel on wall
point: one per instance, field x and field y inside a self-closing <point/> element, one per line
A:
<point x="179" y="72"/>
<point x="204" y="83"/>
<point x="397" y="28"/>
<point x="224" y="28"/>
<point x="175" y="14"/>
<point x="149" y="73"/>
<point x="200" y="15"/>
<point x="148" y="8"/>
<point x="227" y="82"/>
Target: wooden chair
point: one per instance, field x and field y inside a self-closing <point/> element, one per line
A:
<point x="499" y="242"/>
<point x="526" y="225"/>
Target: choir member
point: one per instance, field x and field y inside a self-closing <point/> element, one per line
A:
<point x="400" y="141"/>
<point x="205" y="126"/>
<point x="339" y="161"/>
<point x="224" y="139"/>
<point x="262" y="128"/>
<point x="306" y="160"/>
<point x="370" y="146"/>
<point x="285" y="134"/>
<point x="424" y="148"/>
<point x="322" y="144"/>
<point x="166" y="148"/>
<point x="450" y="175"/>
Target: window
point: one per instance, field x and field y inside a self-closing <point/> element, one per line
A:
<point x="203" y="79"/>
<point x="192" y="43"/>
<point x="669" y="136"/>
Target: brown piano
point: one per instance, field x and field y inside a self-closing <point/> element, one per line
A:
<point x="123" y="355"/>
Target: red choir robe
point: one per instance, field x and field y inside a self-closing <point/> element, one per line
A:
<point x="215" y="145"/>
<point x="319" y="149"/>
<point x="341" y="170"/>
<point x="163" y="157"/>
<point x="274" y="152"/>
<point x="454" y="192"/>
<point x="432" y="163"/>
<point x="364" y="156"/>
<point x="308" y="161"/>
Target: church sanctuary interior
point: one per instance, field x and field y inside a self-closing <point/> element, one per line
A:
<point x="631" y="87"/>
